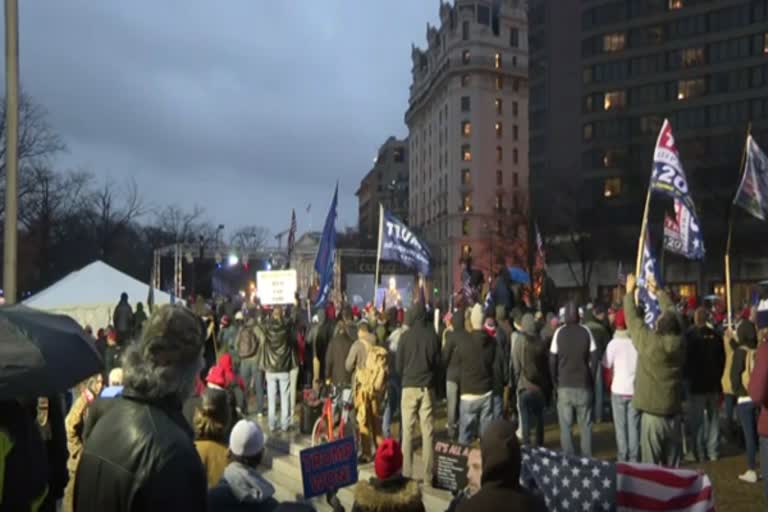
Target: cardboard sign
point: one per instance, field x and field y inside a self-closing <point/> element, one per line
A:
<point x="328" y="467"/>
<point x="276" y="287"/>
<point x="450" y="466"/>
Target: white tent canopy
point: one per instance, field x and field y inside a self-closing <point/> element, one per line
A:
<point x="89" y="295"/>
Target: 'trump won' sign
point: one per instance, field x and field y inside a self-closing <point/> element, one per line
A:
<point x="398" y="243"/>
<point x="328" y="467"/>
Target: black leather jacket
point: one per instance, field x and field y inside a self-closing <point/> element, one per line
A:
<point x="277" y="352"/>
<point x="140" y="456"/>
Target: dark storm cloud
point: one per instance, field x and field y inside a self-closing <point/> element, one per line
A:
<point x="248" y="108"/>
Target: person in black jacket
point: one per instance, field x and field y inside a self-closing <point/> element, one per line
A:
<point x="745" y="346"/>
<point x="704" y="363"/>
<point x="480" y="366"/>
<point x="140" y="455"/>
<point x="277" y="357"/>
<point x="418" y="361"/>
<point x="123" y="319"/>
<point x="453" y="340"/>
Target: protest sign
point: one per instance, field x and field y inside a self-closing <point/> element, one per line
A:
<point x="328" y="467"/>
<point x="276" y="286"/>
<point x="450" y="466"/>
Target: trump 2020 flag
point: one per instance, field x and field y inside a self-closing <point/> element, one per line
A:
<point x="648" y="272"/>
<point x="682" y="234"/>
<point x="326" y="253"/>
<point x="668" y="176"/>
<point x="752" y="194"/>
<point x="398" y="243"/>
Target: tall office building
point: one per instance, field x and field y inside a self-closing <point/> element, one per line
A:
<point x="703" y="64"/>
<point x="386" y="184"/>
<point x="468" y="124"/>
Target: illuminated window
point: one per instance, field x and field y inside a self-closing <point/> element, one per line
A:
<point x="466" y="128"/>
<point x="466" y="177"/>
<point x="464" y="80"/>
<point x="514" y="108"/>
<point x="675" y="4"/>
<point x="499" y="177"/>
<point x="499" y="129"/>
<point x="499" y="202"/>
<point x="765" y="42"/>
<point x="514" y="155"/>
<point x="466" y="153"/>
<point x="691" y="57"/>
<point x="612" y="187"/>
<point x="466" y="250"/>
<point x="499" y="154"/>
<point x="465" y="227"/>
<point x="497" y="60"/>
<point x="465" y="56"/>
<point x="499" y="105"/>
<point x="587" y="132"/>
<point x="614" y="42"/>
<point x="499" y="83"/>
<point x="614" y="100"/>
<point x="691" y="88"/>
<point x="467" y="202"/>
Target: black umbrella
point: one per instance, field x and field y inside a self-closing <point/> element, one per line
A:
<point x="42" y="354"/>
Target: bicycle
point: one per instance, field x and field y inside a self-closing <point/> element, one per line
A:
<point x="336" y="421"/>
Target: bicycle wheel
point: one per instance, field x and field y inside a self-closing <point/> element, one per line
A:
<point x="320" y="431"/>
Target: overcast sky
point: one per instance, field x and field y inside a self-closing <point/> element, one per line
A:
<point x="248" y="108"/>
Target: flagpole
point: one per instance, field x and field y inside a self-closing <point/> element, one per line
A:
<point x="378" y="253"/>
<point x="730" y="234"/>
<point x="643" y="227"/>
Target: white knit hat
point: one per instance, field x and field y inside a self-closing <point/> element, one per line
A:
<point x="246" y="439"/>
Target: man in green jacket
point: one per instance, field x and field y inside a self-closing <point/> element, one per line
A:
<point x="658" y="378"/>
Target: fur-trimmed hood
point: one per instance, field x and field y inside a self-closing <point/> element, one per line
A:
<point x="397" y="494"/>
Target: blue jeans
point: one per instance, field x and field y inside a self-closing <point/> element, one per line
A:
<point x="764" y="463"/>
<point x="532" y="413"/>
<point x="253" y="377"/>
<point x="473" y="414"/>
<point x="730" y="404"/>
<point x="747" y="413"/>
<point x="283" y="380"/>
<point x="703" y="415"/>
<point x="392" y="407"/>
<point x="575" y="404"/>
<point x="626" y="420"/>
<point x="599" y="395"/>
<point x="452" y="397"/>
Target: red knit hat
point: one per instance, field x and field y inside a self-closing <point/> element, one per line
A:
<point x="620" y="322"/>
<point x="389" y="459"/>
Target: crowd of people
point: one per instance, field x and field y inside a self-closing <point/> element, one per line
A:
<point x="177" y="425"/>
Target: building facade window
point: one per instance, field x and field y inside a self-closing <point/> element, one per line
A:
<point x="466" y="177"/>
<point x="465" y="227"/>
<point x="499" y="105"/>
<point x="514" y="108"/>
<point x="465" y="31"/>
<point x="514" y="155"/>
<point x="765" y="43"/>
<point x="515" y="132"/>
<point x="466" y="56"/>
<point x="612" y="187"/>
<point x="466" y="250"/>
<point x="691" y="88"/>
<point x="499" y="83"/>
<point x="466" y="153"/>
<point x="675" y="4"/>
<point x="614" y="100"/>
<point x="466" y="128"/>
<point x="499" y="177"/>
<point x="499" y="154"/>
<point x="515" y="202"/>
<point x="499" y="204"/>
<point x="497" y="60"/>
<point x="466" y="105"/>
<point x="465" y="80"/>
<point x="514" y="180"/>
<point x="587" y="131"/>
<point x="614" y="42"/>
<point x="692" y="57"/>
<point x="467" y="202"/>
<point x="514" y="38"/>
<point x="499" y="129"/>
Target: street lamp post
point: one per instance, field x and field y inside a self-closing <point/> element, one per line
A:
<point x="10" y="251"/>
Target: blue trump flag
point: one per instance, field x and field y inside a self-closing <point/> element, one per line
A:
<point x="648" y="272"/>
<point x="682" y="234"/>
<point x="753" y="189"/>
<point x="398" y="243"/>
<point x="326" y="253"/>
<point x="668" y="176"/>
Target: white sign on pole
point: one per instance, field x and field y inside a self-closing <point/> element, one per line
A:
<point x="276" y="286"/>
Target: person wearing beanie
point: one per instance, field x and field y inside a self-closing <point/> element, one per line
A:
<point x="619" y="364"/>
<point x="241" y="486"/>
<point x="455" y="338"/>
<point x="140" y="453"/>
<point x="572" y="363"/>
<point x="389" y="491"/>
<point x="533" y="386"/>
<point x="479" y="368"/>
<point x="500" y="482"/>
<point x="212" y="422"/>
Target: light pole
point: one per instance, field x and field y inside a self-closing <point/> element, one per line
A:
<point x="10" y="250"/>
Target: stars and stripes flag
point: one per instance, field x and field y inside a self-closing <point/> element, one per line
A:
<point x="569" y="483"/>
<point x="752" y="194"/>
<point x="292" y="234"/>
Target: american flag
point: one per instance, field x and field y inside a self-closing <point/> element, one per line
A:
<point x="292" y="234"/>
<point x="569" y="483"/>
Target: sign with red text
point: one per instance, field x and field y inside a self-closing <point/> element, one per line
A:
<point x="328" y="467"/>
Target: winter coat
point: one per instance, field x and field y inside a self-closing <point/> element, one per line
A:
<point x="504" y="349"/>
<point x="55" y="438"/>
<point x="213" y="455"/>
<point x="241" y="488"/>
<point x="479" y="363"/>
<point x="704" y="360"/>
<point x="453" y="340"/>
<point x="418" y="356"/>
<point x="500" y="488"/>
<point x="532" y="348"/>
<point x="122" y="318"/>
<point x="112" y="358"/>
<point x="318" y="338"/>
<point x="660" y="363"/>
<point x="398" y="494"/>
<point x="600" y="334"/>
<point x="336" y="358"/>
<point x="140" y="457"/>
<point x="277" y="352"/>
<point x="138" y="320"/>
<point x="758" y="387"/>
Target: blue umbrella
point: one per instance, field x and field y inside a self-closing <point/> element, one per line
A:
<point x="518" y="275"/>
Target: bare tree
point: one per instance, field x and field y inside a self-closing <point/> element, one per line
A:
<point x="250" y="238"/>
<point x="180" y="225"/>
<point x="113" y="210"/>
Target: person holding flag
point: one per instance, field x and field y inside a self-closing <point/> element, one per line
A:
<point x="659" y="375"/>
